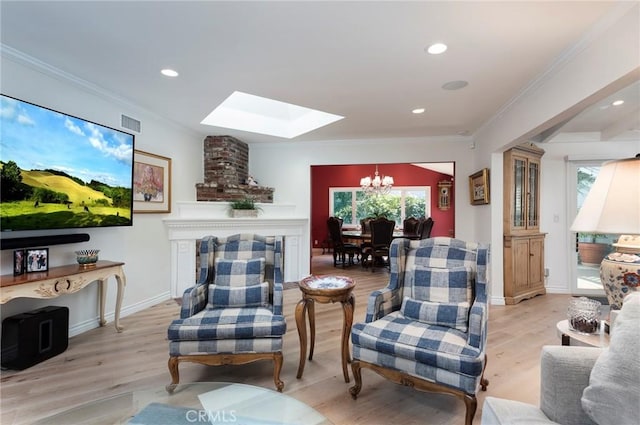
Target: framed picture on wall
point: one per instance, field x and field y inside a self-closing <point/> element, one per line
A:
<point x="479" y="187"/>
<point x="18" y="262"/>
<point x="37" y="260"/>
<point x="151" y="183"/>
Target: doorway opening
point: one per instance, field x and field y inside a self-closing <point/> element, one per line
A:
<point x="590" y="248"/>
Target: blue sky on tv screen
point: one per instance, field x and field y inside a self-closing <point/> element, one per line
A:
<point x="37" y="138"/>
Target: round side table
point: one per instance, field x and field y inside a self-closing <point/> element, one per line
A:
<point x="571" y="337"/>
<point x="324" y="289"/>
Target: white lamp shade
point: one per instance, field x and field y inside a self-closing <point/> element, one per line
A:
<point x="613" y="203"/>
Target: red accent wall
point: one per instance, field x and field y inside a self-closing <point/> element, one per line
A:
<point x="325" y="176"/>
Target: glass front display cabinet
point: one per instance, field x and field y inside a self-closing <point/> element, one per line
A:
<point x="523" y="242"/>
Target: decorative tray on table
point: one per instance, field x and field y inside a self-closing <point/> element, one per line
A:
<point x="327" y="282"/>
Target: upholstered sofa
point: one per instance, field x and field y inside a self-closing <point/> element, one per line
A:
<point x="584" y="385"/>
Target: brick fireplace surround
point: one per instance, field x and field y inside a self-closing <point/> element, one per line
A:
<point x="226" y="171"/>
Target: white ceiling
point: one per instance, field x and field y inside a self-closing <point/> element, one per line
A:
<point x="365" y="61"/>
<point x="604" y="121"/>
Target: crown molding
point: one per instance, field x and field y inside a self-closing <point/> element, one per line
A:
<point x="15" y="55"/>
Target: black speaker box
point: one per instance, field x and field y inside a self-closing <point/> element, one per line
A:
<point x="35" y="336"/>
<point x="17" y="243"/>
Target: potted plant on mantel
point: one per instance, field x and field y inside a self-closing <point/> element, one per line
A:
<point x="244" y="208"/>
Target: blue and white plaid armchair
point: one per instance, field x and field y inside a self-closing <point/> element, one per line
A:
<point x="233" y="315"/>
<point x="428" y="328"/>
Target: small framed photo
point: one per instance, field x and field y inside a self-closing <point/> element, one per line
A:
<point x="18" y="262"/>
<point x="479" y="187"/>
<point x="151" y="183"/>
<point x="37" y="260"/>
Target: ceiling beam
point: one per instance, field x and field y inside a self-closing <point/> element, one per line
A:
<point x="550" y="132"/>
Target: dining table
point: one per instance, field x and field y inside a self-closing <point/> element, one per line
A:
<point x="359" y="235"/>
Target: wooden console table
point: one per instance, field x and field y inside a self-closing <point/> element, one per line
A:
<point x="66" y="280"/>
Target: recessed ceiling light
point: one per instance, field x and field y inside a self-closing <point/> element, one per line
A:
<point x="455" y="85"/>
<point x="248" y="112"/>
<point x="618" y="102"/>
<point x="169" y="72"/>
<point x="418" y="111"/>
<point x="437" y="48"/>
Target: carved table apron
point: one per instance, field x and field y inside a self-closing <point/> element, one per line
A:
<point x="66" y="280"/>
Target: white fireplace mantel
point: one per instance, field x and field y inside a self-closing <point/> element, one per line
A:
<point x="194" y="220"/>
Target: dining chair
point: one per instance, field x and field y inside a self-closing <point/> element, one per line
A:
<point x="410" y="226"/>
<point x="381" y="237"/>
<point x="365" y="229"/>
<point x="425" y="227"/>
<point x="341" y="249"/>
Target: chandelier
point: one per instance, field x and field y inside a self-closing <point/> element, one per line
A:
<point x="377" y="185"/>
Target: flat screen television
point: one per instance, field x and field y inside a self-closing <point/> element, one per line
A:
<point x="58" y="171"/>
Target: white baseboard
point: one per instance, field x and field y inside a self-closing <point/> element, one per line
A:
<point x="87" y="325"/>
<point x="557" y="290"/>
<point x="497" y="301"/>
<point x="83" y="327"/>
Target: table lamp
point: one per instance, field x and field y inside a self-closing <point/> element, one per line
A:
<point x="613" y="206"/>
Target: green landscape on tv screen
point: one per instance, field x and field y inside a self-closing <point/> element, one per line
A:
<point x="58" y="171"/>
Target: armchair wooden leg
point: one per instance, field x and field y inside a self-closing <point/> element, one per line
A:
<point x="471" y="404"/>
<point x="277" y="367"/>
<point x="402" y="378"/>
<point x="357" y="377"/>
<point x="175" y="374"/>
<point x="484" y="382"/>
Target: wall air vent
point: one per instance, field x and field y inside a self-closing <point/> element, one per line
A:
<point x="130" y="123"/>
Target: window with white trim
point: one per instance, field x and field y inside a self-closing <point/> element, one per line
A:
<point x="351" y="204"/>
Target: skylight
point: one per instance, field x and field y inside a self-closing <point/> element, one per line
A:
<point x="247" y="112"/>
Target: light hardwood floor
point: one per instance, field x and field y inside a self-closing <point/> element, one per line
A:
<point x="101" y="363"/>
